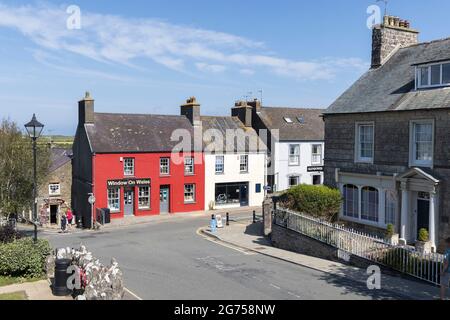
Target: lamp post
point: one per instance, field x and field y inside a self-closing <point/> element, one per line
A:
<point x="34" y="129"/>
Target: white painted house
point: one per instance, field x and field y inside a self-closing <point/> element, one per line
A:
<point x="295" y="138"/>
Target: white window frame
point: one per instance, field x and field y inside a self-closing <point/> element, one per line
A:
<point x="288" y="120"/>
<point x="54" y="193"/>
<point x="295" y="156"/>
<point x="219" y="164"/>
<point x="243" y="163"/>
<point x="189" y="200"/>
<point x="313" y="155"/>
<point x="126" y="167"/>
<point x="377" y="221"/>
<point x="190" y="165"/>
<point x="291" y="177"/>
<point x="412" y="144"/>
<point x="144" y="196"/>
<point x="161" y="166"/>
<point x="116" y="199"/>
<point x="429" y="66"/>
<point x="346" y="201"/>
<point x="358" y="158"/>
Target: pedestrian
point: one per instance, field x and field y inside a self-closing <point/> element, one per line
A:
<point x="445" y="274"/>
<point x="69" y="218"/>
<point x="63" y="223"/>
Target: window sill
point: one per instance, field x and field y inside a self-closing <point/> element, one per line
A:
<point x="244" y="172"/>
<point x="144" y="209"/>
<point x="220" y="173"/>
<point x="189" y="174"/>
<point x="189" y="203"/>
<point x="164" y="175"/>
<point x="361" y="161"/>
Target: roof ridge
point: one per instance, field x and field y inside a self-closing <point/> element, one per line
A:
<point x="140" y="114"/>
<point x="295" y="108"/>
<point x="425" y="43"/>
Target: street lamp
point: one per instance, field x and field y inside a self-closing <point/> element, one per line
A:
<point x="34" y="129"/>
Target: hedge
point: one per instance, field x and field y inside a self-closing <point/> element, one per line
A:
<point x="318" y="201"/>
<point x="24" y="258"/>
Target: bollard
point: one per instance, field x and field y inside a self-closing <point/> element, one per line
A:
<point x="254" y="216"/>
<point x="60" y="282"/>
<point x="228" y="219"/>
<point x="213" y="223"/>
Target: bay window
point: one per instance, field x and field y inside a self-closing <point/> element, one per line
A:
<point x="369" y="204"/>
<point x="351" y="201"/>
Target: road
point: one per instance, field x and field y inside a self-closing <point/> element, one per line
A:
<point x="169" y="260"/>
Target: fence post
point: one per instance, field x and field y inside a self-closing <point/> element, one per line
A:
<point x="254" y="216"/>
<point x="228" y="219"/>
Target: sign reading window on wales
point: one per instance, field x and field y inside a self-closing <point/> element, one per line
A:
<point x="129" y="182"/>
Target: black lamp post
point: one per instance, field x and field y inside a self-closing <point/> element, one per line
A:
<point x="34" y="129"/>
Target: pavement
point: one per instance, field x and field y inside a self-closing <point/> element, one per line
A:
<point x="169" y="259"/>
<point x="39" y="290"/>
<point x="248" y="237"/>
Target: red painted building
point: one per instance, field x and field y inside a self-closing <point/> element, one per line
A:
<point x="126" y="162"/>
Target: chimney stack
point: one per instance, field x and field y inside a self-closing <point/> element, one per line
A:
<point x="256" y="104"/>
<point x="86" y="110"/>
<point x="393" y="33"/>
<point x="243" y="111"/>
<point x="191" y="110"/>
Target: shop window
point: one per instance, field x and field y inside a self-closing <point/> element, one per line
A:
<point x="189" y="193"/>
<point x="114" y="199"/>
<point x="144" y="197"/>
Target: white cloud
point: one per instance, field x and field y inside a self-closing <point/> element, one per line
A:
<point x="214" y="68"/>
<point x="247" y="72"/>
<point x="114" y="39"/>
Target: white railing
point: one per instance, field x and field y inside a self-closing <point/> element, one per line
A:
<point x="401" y="258"/>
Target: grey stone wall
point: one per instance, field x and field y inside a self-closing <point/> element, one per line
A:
<point x="391" y="150"/>
<point x="386" y="39"/>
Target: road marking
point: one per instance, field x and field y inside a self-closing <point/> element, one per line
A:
<point x="274" y="286"/>
<point x="294" y="295"/>
<point x="229" y="246"/>
<point x="133" y="294"/>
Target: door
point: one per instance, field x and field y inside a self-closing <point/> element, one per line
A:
<point x="243" y="195"/>
<point x="128" y="205"/>
<point x="53" y="214"/>
<point x="164" y="199"/>
<point x="423" y="215"/>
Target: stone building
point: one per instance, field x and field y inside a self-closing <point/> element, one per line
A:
<point x="54" y="194"/>
<point x="387" y="137"/>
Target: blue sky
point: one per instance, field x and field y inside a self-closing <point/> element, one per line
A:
<point x="146" y="56"/>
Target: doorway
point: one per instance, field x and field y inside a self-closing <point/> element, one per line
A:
<point x="54" y="214"/>
<point x="164" y="199"/>
<point x="423" y="212"/>
<point x="128" y="206"/>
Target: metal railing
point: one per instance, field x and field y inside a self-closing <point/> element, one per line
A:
<point x="405" y="259"/>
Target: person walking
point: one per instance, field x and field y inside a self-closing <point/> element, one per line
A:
<point x="69" y="218"/>
<point x="445" y="274"/>
<point x="64" y="223"/>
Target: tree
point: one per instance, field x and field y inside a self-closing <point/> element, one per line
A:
<point x="16" y="168"/>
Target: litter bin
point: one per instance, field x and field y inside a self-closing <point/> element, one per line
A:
<point x="107" y="215"/>
<point x="60" y="283"/>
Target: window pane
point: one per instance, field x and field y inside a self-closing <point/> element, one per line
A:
<point x="164" y="166"/>
<point x="366" y="142"/>
<point x="369" y="204"/>
<point x="219" y="164"/>
<point x="423" y="135"/>
<point x="144" y="197"/>
<point x="446" y="73"/>
<point x="424" y="76"/>
<point x="351" y="201"/>
<point x="391" y="207"/>
<point x="114" y="199"/>
<point x="436" y="74"/>
<point x="189" y="165"/>
<point x="189" y="193"/>
<point x="128" y="166"/>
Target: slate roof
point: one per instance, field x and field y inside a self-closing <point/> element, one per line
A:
<point x="128" y="133"/>
<point x="222" y="124"/>
<point x="391" y="87"/>
<point x="59" y="157"/>
<point x="312" y="129"/>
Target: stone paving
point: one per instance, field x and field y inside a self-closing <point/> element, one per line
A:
<point x="39" y="290"/>
<point x="248" y="236"/>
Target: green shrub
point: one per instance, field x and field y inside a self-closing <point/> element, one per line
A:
<point x="318" y="201"/>
<point x="24" y="258"/>
<point x="424" y="236"/>
<point x="390" y="230"/>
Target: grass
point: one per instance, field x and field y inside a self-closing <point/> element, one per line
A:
<point x="6" y="281"/>
<point x="20" y="295"/>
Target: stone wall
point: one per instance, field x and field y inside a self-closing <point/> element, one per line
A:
<point x="391" y="150"/>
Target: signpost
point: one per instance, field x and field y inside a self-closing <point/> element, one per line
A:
<point x="91" y="201"/>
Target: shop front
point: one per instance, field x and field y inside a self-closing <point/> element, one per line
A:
<point x="232" y="194"/>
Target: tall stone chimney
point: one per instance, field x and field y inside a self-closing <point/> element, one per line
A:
<point x="392" y="34"/>
<point x="191" y="109"/>
<point x="86" y="110"/>
<point x="255" y="104"/>
<point x="244" y="112"/>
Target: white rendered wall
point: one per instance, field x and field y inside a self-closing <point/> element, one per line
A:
<point x="255" y="175"/>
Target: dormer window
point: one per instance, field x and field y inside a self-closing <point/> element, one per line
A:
<point x="288" y="120"/>
<point x="433" y="75"/>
